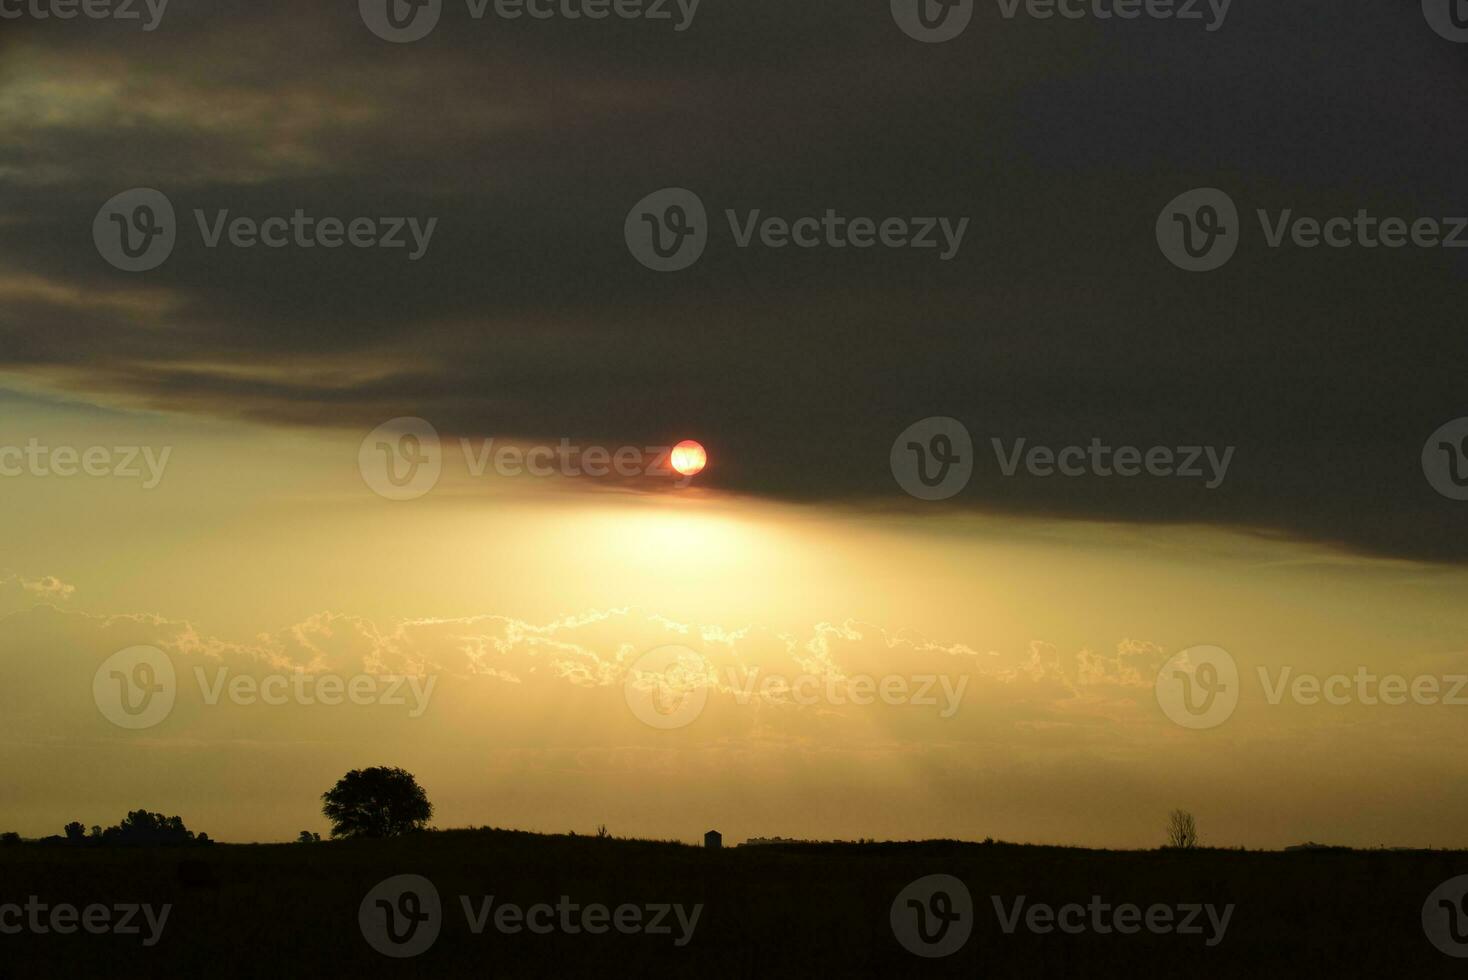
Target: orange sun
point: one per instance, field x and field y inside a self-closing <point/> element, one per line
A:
<point x="689" y="458"/>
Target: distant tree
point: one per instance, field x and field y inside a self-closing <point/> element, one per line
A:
<point x="307" y="837"/>
<point x="376" y="802"/>
<point x="9" y="837"/>
<point x="1182" y="831"/>
<point x="96" y="831"/>
<point x="143" y="827"/>
<point x="75" y="831"/>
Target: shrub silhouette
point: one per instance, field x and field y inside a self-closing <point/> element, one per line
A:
<point x="376" y="802"/>
<point x="75" y="831"/>
<point x="143" y="827"/>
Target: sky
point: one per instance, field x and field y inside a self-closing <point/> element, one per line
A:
<point x="243" y="524"/>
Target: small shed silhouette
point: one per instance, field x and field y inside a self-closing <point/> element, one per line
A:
<point x="713" y="839"/>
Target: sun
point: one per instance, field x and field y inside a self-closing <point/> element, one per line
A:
<point x="689" y="458"/>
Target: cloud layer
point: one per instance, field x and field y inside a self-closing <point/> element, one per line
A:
<point x="1059" y="320"/>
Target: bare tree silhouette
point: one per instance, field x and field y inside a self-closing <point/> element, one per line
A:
<point x="1182" y="830"/>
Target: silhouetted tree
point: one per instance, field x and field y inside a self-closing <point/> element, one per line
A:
<point x="75" y="831"/>
<point x="1182" y="831"/>
<point x="10" y="837"/>
<point x="376" y="802"/>
<point x="142" y="827"/>
<point x="307" y="837"/>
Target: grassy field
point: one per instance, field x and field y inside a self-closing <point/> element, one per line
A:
<point x="783" y="910"/>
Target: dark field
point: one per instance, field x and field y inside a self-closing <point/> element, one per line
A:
<point x="291" y="910"/>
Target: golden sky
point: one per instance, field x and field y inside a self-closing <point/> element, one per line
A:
<point x="527" y="602"/>
<point x="1039" y="659"/>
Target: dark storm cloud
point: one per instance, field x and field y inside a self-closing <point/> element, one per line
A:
<point x="1058" y="320"/>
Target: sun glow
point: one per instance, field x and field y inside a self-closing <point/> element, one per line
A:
<point x="689" y="458"/>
